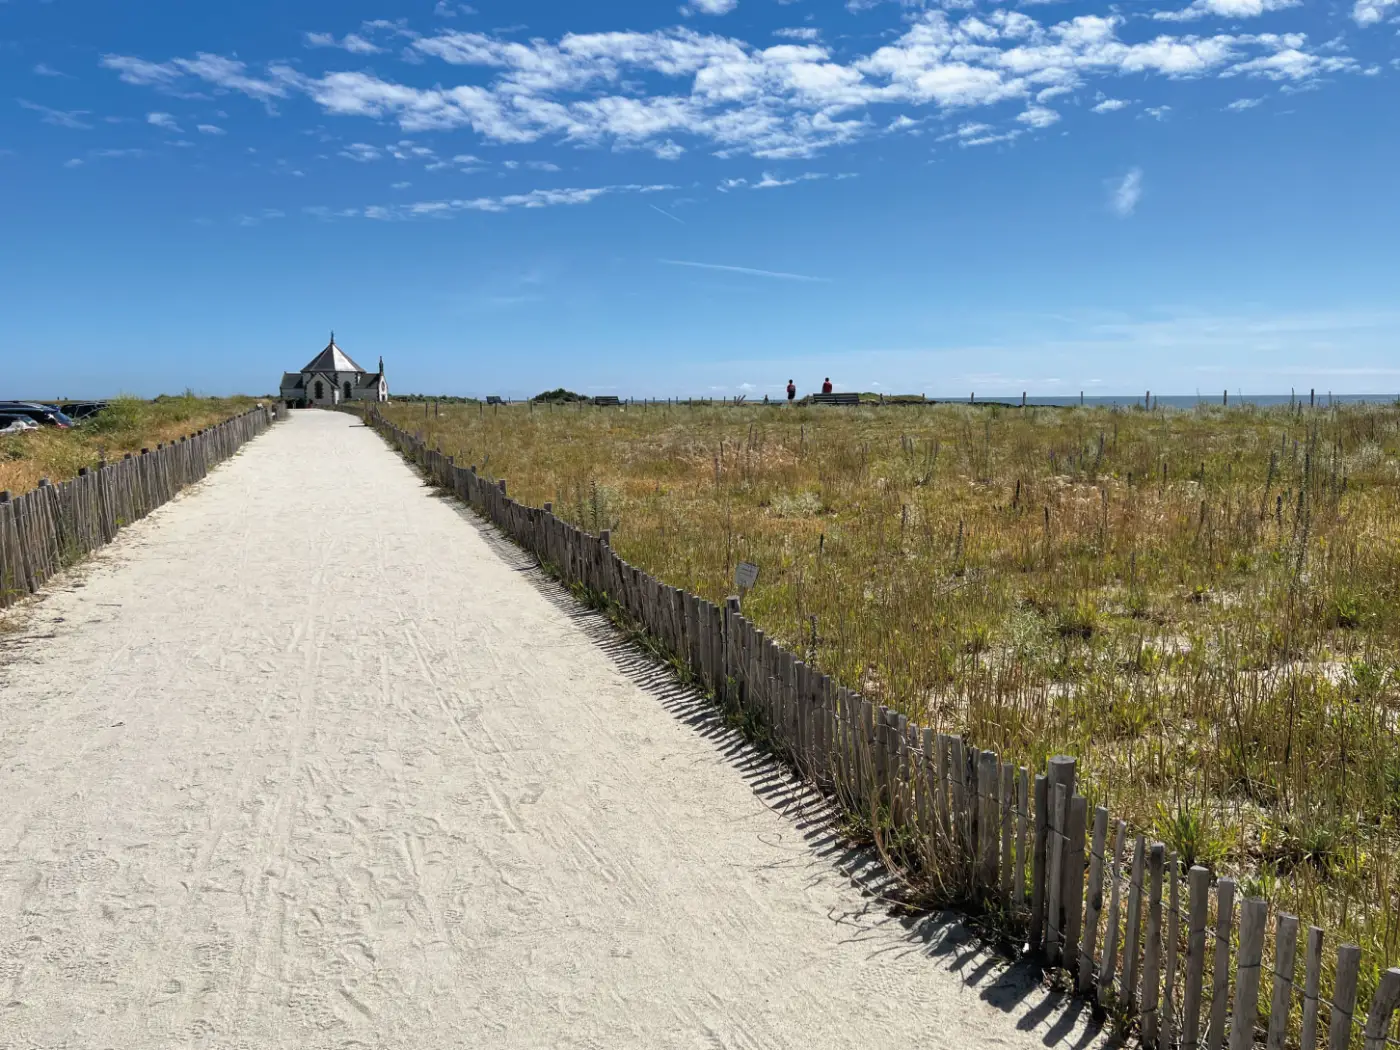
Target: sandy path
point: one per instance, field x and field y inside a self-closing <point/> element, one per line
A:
<point x="306" y="761"/>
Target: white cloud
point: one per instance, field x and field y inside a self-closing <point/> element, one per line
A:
<point x="667" y="150"/>
<point x="1108" y="105"/>
<point x="1125" y="193"/>
<point x="971" y="129"/>
<point x="210" y="129"/>
<point x="1038" y="117"/>
<point x="351" y="42"/>
<point x="807" y="33"/>
<point x="163" y="120"/>
<point x="1243" y="104"/>
<point x="1292" y="63"/>
<point x="1157" y="112"/>
<point x="710" y="7"/>
<point x="1369" y="12"/>
<point x="991" y="138"/>
<point x="1224" y="9"/>
<point x="43" y="70"/>
<point x="769" y="182"/>
<point x="975" y="133"/>
<point x="680" y="88"/>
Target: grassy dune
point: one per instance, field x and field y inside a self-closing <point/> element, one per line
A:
<point x="127" y="425"/>
<point x="1204" y="606"/>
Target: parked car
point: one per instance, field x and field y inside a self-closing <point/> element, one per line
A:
<point x="81" y="410"/>
<point x="43" y="415"/>
<point x="12" y="424"/>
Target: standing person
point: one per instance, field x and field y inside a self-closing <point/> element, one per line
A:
<point x="792" y="391"/>
<point x="826" y="385"/>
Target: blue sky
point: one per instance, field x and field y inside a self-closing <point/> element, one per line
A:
<point x="709" y="198"/>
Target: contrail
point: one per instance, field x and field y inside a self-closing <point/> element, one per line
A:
<point x="748" y="270"/>
<point x="666" y="213"/>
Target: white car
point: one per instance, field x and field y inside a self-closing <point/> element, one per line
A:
<point x="16" y="424"/>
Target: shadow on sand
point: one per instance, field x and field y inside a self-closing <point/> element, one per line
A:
<point x="1015" y="986"/>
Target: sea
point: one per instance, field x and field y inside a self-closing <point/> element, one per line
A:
<point x="1187" y="400"/>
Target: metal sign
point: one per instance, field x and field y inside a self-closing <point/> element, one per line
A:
<point x="746" y="575"/>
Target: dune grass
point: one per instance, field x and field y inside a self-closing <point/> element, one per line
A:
<point x="1203" y="606"/>
<point x="126" y="425"/>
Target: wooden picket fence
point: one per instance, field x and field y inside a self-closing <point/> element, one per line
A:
<point x="49" y="528"/>
<point x="1166" y="955"/>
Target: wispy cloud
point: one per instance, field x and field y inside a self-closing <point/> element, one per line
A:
<point x="210" y="129"/>
<point x="1125" y="193"/>
<point x="807" y="33"/>
<point x="43" y="70"/>
<point x="362" y="152"/>
<point x="1109" y="105"/>
<point x="769" y="181"/>
<point x="750" y="271"/>
<point x="441" y="209"/>
<point x="266" y="215"/>
<point x="163" y="120"/>
<point x="352" y="42"/>
<point x="1243" y="104"/>
<point x="224" y="73"/>
<point x="72" y="118"/>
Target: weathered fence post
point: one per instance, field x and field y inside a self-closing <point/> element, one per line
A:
<point x="1344" y="996"/>
<point x="1199" y="889"/>
<point x="1285" y="950"/>
<point x="1253" y="914"/>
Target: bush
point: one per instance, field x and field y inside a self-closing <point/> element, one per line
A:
<point x="559" y="394"/>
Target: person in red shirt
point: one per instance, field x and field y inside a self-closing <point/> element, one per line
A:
<point x="826" y="385"/>
<point x="791" y="390"/>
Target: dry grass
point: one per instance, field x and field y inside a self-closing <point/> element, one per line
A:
<point x="127" y="425"/>
<point x="1203" y="606"/>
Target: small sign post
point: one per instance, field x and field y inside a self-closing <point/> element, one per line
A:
<point x="745" y="576"/>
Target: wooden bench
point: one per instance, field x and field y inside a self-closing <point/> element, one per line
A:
<point x="607" y="400"/>
<point x="835" y="399"/>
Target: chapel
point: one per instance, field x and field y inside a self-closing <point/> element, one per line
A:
<point x="331" y="378"/>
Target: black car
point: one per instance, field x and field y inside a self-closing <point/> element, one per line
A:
<point x="81" y="410"/>
<point x="44" y="415"/>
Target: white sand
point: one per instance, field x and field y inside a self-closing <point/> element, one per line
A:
<point x="307" y="760"/>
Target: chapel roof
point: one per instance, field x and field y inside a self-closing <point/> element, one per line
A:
<point x="332" y="359"/>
